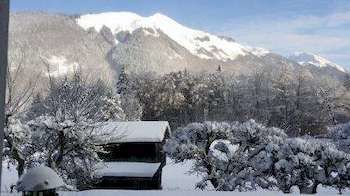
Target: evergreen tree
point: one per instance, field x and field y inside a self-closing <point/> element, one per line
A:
<point x="122" y="82"/>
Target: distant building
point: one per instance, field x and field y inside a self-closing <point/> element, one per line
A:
<point x="134" y="156"/>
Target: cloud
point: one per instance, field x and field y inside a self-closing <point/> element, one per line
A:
<point x="327" y="35"/>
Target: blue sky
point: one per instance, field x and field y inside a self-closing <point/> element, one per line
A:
<point x="284" y="26"/>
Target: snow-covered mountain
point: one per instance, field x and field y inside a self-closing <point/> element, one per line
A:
<point x="101" y="44"/>
<point x="161" y="45"/>
<point x="304" y="58"/>
<point x="53" y="44"/>
<point x="199" y="43"/>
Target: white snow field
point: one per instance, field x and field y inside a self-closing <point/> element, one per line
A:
<point x="176" y="181"/>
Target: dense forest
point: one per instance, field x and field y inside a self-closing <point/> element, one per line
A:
<point x="296" y="102"/>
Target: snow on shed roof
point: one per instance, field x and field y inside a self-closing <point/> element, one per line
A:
<point x="128" y="169"/>
<point x="133" y="131"/>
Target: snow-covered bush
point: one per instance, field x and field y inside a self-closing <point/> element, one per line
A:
<point x="340" y="134"/>
<point x="194" y="142"/>
<point x="250" y="165"/>
<point x="335" y="167"/>
<point x="249" y="155"/>
<point x="307" y="163"/>
<point x="228" y="153"/>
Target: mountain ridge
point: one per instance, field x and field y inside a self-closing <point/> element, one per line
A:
<point x="198" y="42"/>
<point x="59" y="41"/>
<point x="304" y="58"/>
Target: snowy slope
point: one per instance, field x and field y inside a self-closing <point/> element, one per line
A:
<point x="199" y="43"/>
<point x="304" y="58"/>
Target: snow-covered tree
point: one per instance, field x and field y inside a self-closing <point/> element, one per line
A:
<point x="132" y="108"/>
<point x="291" y="99"/>
<point x="19" y="93"/>
<point x="112" y="109"/>
<point x="128" y="100"/>
<point x="63" y="124"/>
<point x="66" y="146"/>
<point x="78" y="98"/>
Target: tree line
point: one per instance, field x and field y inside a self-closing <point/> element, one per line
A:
<point x="296" y="102"/>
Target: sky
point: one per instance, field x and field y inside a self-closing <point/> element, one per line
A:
<point x="282" y="26"/>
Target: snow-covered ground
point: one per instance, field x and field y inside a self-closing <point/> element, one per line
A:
<point x="176" y="181"/>
<point x="177" y="176"/>
<point x="8" y="177"/>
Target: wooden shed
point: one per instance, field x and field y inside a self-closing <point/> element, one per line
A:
<point x="134" y="155"/>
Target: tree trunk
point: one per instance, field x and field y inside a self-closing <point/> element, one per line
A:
<point x="4" y="24"/>
<point x="16" y="156"/>
<point x="20" y="167"/>
<point x="304" y="189"/>
<point x="214" y="182"/>
<point x="61" y="148"/>
<point x="20" y="162"/>
<point x="285" y="189"/>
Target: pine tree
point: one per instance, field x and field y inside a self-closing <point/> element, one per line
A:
<point x="123" y="82"/>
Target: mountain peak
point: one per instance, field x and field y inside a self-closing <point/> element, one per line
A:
<point x="199" y="43"/>
<point x="304" y="58"/>
<point x="160" y="16"/>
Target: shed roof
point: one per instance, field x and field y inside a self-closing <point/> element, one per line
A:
<point x="133" y="131"/>
<point x="128" y="169"/>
